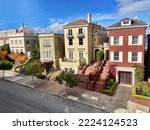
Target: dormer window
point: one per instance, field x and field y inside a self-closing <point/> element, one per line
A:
<point x="126" y="22"/>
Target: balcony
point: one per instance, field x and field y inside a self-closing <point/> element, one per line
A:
<point x="106" y="45"/>
<point x="81" y="35"/>
<point x="70" y="35"/>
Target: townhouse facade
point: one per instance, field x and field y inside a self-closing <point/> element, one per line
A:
<point x="4" y="36"/>
<point x="51" y="48"/>
<point x="83" y="39"/>
<point x="22" y="40"/>
<point x="126" y="48"/>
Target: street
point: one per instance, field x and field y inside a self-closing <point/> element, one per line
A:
<point x="15" y="98"/>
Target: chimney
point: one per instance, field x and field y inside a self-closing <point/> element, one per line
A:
<point x="89" y="18"/>
<point x="135" y="18"/>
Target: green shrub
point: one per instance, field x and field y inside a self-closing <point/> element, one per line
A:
<point x="142" y="89"/>
<point x="81" y="66"/>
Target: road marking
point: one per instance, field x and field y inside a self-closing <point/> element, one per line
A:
<point x="66" y="110"/>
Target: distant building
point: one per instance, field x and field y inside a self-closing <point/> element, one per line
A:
<point x="126" y="48"/>
<point x="51" y="48"/>
<point x="22" y="40"/>
<point x="83" y="39"/>
<point x="4" y="36"/>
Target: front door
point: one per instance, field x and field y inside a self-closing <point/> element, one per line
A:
<point x="125" y="77"/>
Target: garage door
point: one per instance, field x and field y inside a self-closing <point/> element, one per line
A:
<point x="125" y="77"/>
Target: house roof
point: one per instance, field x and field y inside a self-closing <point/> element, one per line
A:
<point x="80" y="22"/>
<point x="75" y="23"/>
<point x="134" y="22"/>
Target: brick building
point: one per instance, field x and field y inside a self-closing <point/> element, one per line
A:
<point x="126" y="48"/>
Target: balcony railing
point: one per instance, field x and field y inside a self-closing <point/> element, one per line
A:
<point x="70" y="35"/>
<point x="81" y="34"/>
<point x="106" y="45"/>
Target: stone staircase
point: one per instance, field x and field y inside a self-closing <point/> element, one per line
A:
<point x="100" y="83"/>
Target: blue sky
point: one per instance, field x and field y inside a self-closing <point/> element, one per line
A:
<point x="50" y="15"/>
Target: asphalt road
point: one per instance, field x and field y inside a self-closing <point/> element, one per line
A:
<point x="15" y="98"/>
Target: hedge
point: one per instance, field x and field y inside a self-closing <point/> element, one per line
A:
<point x="139" y="96"/>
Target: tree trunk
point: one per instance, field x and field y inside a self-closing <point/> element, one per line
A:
<point x="66" y="91"/>
<point x="3" y="73"/>
<point x="32" y="79"/>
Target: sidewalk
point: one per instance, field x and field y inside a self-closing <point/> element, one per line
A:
<point x="116" y="103"/>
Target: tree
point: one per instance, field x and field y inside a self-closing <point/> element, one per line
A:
<point x="5" y="65"/>
<point x="68" y="77"/>
<point x="33" y="68"/>
<point x="100" y="55"/>
<point x="35" y="53"/>
<point x="5" y="48"/>
<point x="139" y="72"/>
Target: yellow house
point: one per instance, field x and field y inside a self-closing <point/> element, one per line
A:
<point x="83" y="39"/>
<point x="51" y="48"/>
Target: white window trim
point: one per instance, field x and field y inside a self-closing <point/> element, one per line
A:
<point x="139" y="57"/>
<point x="113" y="43"/>
<point x="140" y="40"/>
<point x="120" y="57"/>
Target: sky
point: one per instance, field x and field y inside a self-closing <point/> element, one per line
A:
<point x="51" y="15"/>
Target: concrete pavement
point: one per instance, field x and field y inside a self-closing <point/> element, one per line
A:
<point x="116" y="103"/>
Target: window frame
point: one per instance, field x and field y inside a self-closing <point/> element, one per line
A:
<point x="70" y="55"/>
<point x="116" y="58"/>
<point x="70" y="41"/>
<point x="134" y="57"/>
<point x="116" y="42"/>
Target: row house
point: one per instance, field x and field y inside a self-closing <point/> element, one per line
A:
<point x="126" y="48"/>
<point x="4" y="36"/>
<point x="22" y="40"/>
<point x="51" y="48"/>
<point x="83" y="39"/>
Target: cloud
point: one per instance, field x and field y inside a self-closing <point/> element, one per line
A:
<point x="132" y="7"/>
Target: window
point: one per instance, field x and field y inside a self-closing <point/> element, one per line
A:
<point x="16" y="42"/>
<point x="125" y="22"/>
<point x="116" y="40"/>
<point x="80" y="54"/>
<point x="80" y="31"/>
<point x="134" y="56"/>
<point x="135" y="40"/>
<point x="116" y="56"/>
<point x="71" y="55"/>
<point x="20" y="42"/>
<point x="46" y="54"/>
<point x="12" y="42"/>
<point x="70" y="41"/>
<point x="27" y="41"/>
<point x="70" y="32"/>
<point x="49" y="54"/>
<point x="43" y="54"/>
<point x="94" y="39"/>
<point x="80" y="41"/>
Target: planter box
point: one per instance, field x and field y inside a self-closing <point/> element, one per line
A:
<point x="139" y="98"/>
<point x="110" y="92"/>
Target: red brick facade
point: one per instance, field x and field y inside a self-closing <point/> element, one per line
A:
<point x="125" y="48"/>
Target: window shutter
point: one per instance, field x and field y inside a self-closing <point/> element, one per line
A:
<point x="120" y="56"/>
<point x="129" y="40"/>
<point x="111" y="40"/>
<point x="129" y="56"/>
<point x="139" y="57"/>
<point x="111" y="56"/>
<point x="121" y="40"/>
<point x="140" y="40"/>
